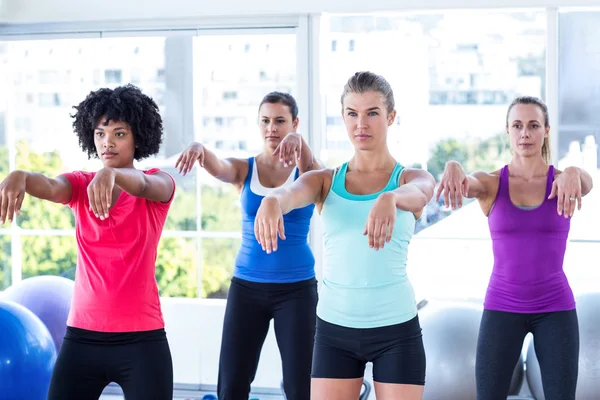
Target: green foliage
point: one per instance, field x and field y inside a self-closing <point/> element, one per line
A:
<point x="478" y="155"/>
<point x="177" y="260"/>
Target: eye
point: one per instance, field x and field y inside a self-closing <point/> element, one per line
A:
<point x="373" y="113"/>
<point x="535" y="126"/>
<point x="120" y="134"/>
<point x="517" y="126"/>
<point x="99" y="133"/>
<point x="352" y="113"/>
<point x="281" y="121"/>
<point x="265" y="121"/>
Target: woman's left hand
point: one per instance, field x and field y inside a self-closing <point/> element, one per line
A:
<point x="381" y="220"/>
<point x="289" y="149"/>
<point x="567" y="189"/>
<point x="100" y="192"/>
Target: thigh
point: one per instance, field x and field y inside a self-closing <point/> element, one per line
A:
<point x="79" y="372"/>
<point x="499" y="346"/>
<point x="556" y="341"/>
<point x="245" y="328"/>
<point x="294" y="320"/>
<point x="399" y="358"/>
<point x="335" y="389"/>
<point x="335" y="353"/>
<point x="145" y="370"/>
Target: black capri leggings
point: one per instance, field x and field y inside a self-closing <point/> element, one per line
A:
<point x="250" y="308"/>
<point x="139" y="362"/>
<point x="556" y="340"/>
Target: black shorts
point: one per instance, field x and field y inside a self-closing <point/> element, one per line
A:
<point x="396" y="351"/>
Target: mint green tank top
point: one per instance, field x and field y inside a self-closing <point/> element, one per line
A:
<point x="361" y="287"/>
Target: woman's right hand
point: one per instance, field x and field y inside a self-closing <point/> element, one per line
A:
<point x="194" y="152"/>
<point x="454" y="184"/>
<point x="12" y="193"/>
<point x="268" y="223"/>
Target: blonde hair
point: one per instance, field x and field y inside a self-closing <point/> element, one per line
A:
<point x="362" y="82"/>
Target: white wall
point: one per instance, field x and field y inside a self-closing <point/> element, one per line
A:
<point x="194" y="328"/>
<point x="36" y="11"/>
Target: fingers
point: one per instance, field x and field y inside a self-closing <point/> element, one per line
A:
<point x="579" y="199"/>
<point x="19" y="203"/>
<point x="561" y="202"/>
<point x="438" y="192"/>
<point x="185" y="162"/>
<point x="201" y="159"/>
<point x="281" y="229"/>
<point x="379" y="232"/>
<point x="179" y="160"/>
<point x="3" y="207"/>
<point x="554" y="189"/>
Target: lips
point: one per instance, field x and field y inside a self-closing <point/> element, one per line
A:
<point x="109" y="154"/>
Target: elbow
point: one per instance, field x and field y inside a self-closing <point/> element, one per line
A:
<point x="420" y="203"/>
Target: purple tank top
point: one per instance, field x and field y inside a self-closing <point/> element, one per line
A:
<point x="529" y="247"/>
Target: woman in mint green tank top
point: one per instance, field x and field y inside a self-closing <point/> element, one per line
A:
<point x="369" y="205"/>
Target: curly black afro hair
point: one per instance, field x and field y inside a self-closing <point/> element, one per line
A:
<point x="124" y="104"/>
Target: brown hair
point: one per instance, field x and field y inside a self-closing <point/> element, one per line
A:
<point x="362" y="82"/>
<point x="535" y="101"/>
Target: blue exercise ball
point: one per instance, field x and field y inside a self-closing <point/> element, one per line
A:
<point x="49" y="298"/>
<point x="27" y="354"/>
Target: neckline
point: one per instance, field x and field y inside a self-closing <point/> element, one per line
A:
<point x="535" y="207"/>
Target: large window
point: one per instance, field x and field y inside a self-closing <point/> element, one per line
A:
<point x="453" y="76"/>
<point x="579" y="135"/>
<point x="207" y="88"/>
<point x="232" y="73"/>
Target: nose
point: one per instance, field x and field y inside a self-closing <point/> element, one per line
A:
<point x="362" y="121"/>
<point x="271" y="127"/>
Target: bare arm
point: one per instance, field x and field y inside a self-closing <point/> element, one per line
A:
<point x="307" y="189"/>
<point x="57" y="190"/>
<point x="415" y="190"/>
<point x="230" y="170"/>
<point x="308" y="161"/>
<point x="154" y="187"/>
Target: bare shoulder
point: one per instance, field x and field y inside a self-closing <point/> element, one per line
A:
<point x="409" y="174"/>
<point x="487" y="178"/>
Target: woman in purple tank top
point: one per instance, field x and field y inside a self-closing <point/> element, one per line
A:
<point x="529" y="205"/>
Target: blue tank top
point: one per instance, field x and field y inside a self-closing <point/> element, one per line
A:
<point x="361" y="287"/>
<point x="293" y="261"/>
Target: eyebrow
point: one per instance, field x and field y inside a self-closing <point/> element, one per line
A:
<point x="279" y="116"/>
<point x="98" y="128"/>
<point x="368" y="109"/>
<point x="533" y="120"/>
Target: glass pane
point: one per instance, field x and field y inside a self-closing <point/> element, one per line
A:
<point x="45" y="79"/>
<point x="5" y="262"/>
<point x="453" y="75"/>
<point x="177" y="267"/>
<point x="232" y="73"/>
<point x="49" y="255"/>
<point x="218" y="261"/>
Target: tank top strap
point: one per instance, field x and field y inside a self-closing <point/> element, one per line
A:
<point x="395" y="177"/>
<point x="249" y="174"/>
<point x="503" y="183"/>
<point x="550" y="180"/>
<point x="338" y="181"/>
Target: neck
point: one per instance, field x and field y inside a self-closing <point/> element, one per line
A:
<point x="369" y="161"/>
<point x="528" y="167"/>
<point x="267" y="157"/>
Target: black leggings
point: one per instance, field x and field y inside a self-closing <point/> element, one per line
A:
<point x="250" y="308"/>
<point x="556" y="341"/>
<point x="139" y="362"/>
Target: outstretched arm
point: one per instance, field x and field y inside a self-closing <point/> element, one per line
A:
<point x="17" y="183"/>
<point x="157" y="187"/>
<point x="308" y="189"/>
<point x="294" y="149"/>
<point x="229" y="170"/>
<point x="456" y="184"/>
<point x="415" y="190"/>
<point x="569" y="187"/>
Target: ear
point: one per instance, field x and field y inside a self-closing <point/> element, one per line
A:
<point x="296" y="123"/>
<point x="391" y="117"/>
<point x="547" y="132"/>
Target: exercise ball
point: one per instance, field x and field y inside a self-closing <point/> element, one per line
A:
<point x="48" y="297"/>
<point x="450" y="332"/>
<point x="588" y="380"/>
<point x="27" y="354"/>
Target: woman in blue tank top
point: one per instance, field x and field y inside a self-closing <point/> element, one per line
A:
<point x="279" y="286"/>
<point x="367" y="310"/>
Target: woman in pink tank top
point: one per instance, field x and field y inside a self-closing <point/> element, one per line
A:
<point x="529" y="205"/>
<point x="115" y="330"/>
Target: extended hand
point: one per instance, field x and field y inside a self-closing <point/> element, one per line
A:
<point x="268" y="223"/>
<point x="193" y="153"/>
<point x="12" y="193"/>
<point x="381" y="220"/>
<point x="454" y="184"/>
<point x="100" y="192"/>
<point x="289" y="149"/>
<point x="567" y="189"/>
